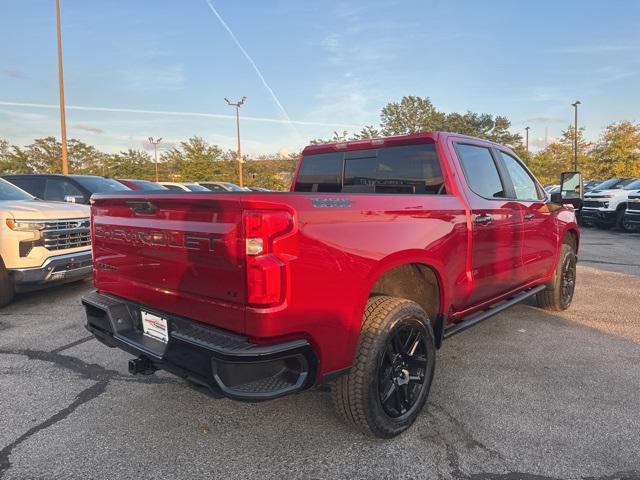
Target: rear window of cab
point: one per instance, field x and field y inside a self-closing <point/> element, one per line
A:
<point x="410" y="169"/>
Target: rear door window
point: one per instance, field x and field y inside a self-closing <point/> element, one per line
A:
<point x="480" y="171"/>
<point x="412" y="169"/>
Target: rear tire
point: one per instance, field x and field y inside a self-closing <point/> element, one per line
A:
<point x="390" y="378"/>
<point x="7" y="289"/>
<point x="559" y="292"/>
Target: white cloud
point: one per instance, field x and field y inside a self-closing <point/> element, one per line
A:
<point x="348" y="99"/>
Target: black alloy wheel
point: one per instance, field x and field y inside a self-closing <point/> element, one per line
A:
<point x="568" y="280"/>
<point x="402" y="369"/>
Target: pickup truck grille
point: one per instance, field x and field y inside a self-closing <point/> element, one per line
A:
<point x="595" y="203"/>
<point x="633" y="203"/>
<point x="68" y="233"/>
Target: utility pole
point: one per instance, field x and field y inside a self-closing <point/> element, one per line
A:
<point x="575" y="135"/>
<point x="526" y="129"/>
<point x="63" y="121"/>
<point x="238" y="104"/>
<point x="155" y="142"/>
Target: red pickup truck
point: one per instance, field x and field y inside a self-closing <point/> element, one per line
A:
<point x="381" y="250"/>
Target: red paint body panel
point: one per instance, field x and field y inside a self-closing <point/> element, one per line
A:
<point x="187" y="256"/>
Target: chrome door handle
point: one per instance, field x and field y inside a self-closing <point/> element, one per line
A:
<point x="529" y="216"/>
<point x="484" y="219"/>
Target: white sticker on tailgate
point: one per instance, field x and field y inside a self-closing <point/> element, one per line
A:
<point x="154" y="326"/>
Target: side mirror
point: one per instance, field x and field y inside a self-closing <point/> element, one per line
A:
<point x="571" y="190"/>
<point x="74" y="198"/>
<point x="571" y="185"/>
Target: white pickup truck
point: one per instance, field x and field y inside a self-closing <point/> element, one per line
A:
<point x="605" y="205"/>
<point x="41" y="243"/>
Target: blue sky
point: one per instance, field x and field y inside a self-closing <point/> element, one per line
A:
<point x="331" y="66"/>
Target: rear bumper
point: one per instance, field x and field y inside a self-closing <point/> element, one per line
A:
<point x="225" y="363"/>
<point x="58" y="269"/>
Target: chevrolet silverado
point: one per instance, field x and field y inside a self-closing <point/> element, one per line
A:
<point x="382" y="249"/>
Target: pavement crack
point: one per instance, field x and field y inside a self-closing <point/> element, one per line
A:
<point x="83" y="397"/>
<point x="86" y="370"/>
<point x="90" y="371"/>
<point x="469" y="440"/>
<point x="72" y="344"/>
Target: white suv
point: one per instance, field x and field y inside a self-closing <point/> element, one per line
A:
<point x="604" y="206"/>
<point x="41" y="243"/>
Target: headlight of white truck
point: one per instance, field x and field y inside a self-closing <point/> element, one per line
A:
<point x="26" y="226"/>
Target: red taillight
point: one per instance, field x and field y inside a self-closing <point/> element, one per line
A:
<point x="266" y="272"/>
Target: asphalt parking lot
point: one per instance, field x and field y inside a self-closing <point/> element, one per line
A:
<point x="525" y="395"/>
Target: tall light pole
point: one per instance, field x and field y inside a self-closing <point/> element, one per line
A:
<point x="238" y="104"/>
<point x="526" y="129"/>
<point x="155" y="142"/>
<point x="575" y="135"/>
<point x="63" y="121"/>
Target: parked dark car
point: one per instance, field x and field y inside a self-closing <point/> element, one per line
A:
<point x="145" y="185"/>
<point x="65" y="188"/>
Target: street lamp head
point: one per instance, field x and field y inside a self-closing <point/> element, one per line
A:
<point x="159" y="140"/>
<point x="227" y="100"/>
<point x="527" y="128"/>
<point x="150" y="139"/>
<point x="576" y="104"/>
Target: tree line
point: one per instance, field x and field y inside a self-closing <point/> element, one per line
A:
<point x="192" y="160"/>
<point x="616" y="153"/>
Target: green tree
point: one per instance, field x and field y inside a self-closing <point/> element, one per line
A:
<point x="368" y="131"/>
<point x="10" y="161"/>
<point x="411" y="114"/>
<point x="617" y="152"/>
<point x="194" y="159"/>
<point x="44" y="155"/>
<point x="270" y="171"/>
<point x="557" y="157"/>
<point x="129" y="164"/>
<point x="337" y="137"/>
<point x="414" y="114"/>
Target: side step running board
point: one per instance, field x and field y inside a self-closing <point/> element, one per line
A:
<point x="491" y="311"/>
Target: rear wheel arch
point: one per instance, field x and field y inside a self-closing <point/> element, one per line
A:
<point x="380" y="283"/>
<point x="415" y="281"/>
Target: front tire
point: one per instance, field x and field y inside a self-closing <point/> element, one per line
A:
<point x="559" y="292"/>
<point x="7" y="289"/>
<point x="623" y="225"/>
<point x="390" y="378"/>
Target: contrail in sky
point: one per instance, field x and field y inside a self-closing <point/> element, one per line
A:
<point x="255" y="67"/>
<point x="288" y="121"/>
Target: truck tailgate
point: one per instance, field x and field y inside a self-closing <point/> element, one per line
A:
<point x="181" y="253"/>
